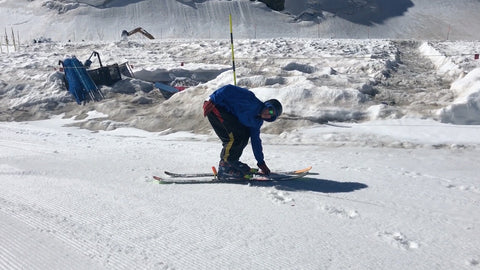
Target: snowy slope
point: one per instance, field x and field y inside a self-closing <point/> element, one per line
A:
<point x="105" y="20"/>
<point x="74" y="199"/>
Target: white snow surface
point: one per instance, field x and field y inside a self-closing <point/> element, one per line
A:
<point x="77" y="20"/>
<point x="384" y="195"/>
<point x="391" y="128"/>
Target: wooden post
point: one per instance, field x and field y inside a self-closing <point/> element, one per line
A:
<point x="13" y="40"/>
<point x="6" y="39"/>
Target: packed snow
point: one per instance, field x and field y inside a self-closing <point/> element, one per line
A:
<point x="390" y="127"/>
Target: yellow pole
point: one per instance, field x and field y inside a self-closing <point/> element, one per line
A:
<point x="233" y="55"/>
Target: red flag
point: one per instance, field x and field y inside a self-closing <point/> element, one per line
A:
<point x="476" y="56"/>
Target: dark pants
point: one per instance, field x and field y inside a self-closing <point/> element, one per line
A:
<point x="233" y="134"/>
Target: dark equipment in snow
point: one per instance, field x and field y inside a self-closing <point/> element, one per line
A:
<point x="78" y="82"/>
<point x="140" y="30"/>
<point x="82" y="83"/>
<point x="166" y="90"/>
<point x="104" y="75"/>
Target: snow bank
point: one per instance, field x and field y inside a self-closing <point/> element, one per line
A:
<point x="444" y="64"/>
<point x="317" y="80"/>
<point x="452" y="61"/>
<point x="320" y="80"/>
<point x="465" y="110"/>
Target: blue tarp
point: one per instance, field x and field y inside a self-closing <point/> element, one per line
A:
<point x="166" y="90"/>
<point x="80" y="85"/>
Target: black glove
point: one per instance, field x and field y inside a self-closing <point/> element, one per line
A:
<point x="264" y="168"/>
<point x="208" y="107"/>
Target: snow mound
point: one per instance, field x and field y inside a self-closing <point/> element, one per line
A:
<point x="465" y="110"/>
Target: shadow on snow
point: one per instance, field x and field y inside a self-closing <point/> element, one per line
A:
<point x="365" y="12"/>
<point x="313" y="184"/>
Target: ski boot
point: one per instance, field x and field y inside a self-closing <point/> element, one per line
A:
<point x="230" y="171"/>
<point x="244" y="168"/>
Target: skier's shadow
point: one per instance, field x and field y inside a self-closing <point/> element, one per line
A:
<point x="314" y="184"/>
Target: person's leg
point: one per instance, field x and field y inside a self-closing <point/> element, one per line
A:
<point x="232" y="133"/>
<point x="234" y="137"/>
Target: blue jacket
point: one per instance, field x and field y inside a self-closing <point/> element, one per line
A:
<point x="246" y="107"/>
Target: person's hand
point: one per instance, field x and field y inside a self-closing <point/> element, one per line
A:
<point x="264" y="168"/>
<point x="208" y="107"/>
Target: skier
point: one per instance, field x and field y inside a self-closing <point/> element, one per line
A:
<point x="236" y="116"/>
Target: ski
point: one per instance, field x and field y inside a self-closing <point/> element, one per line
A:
<point x="194" y="175"/>
<point x="188" y="175"/>
<point x="205" y="178"/>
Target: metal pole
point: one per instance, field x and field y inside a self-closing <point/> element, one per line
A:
<point x="233" y="55"/>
